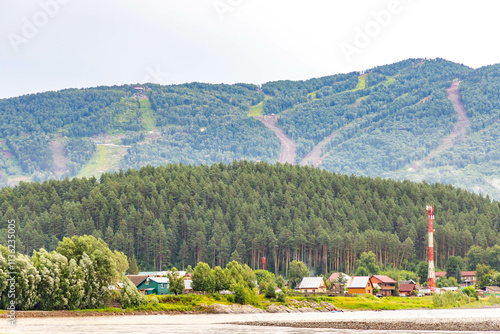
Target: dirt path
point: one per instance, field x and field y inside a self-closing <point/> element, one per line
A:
<point x="288" y="149"/>
<point x="460" y="129"/>
<point x="60" y="160"/>
<point x="315" y="157"/>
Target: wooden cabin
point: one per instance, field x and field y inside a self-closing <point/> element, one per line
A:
<point x="360" y="285"/>
<point x="313" y="284"/>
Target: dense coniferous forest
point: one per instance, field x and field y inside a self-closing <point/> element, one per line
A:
<point x="385" y="121"/>
<point x="182" y="214"/>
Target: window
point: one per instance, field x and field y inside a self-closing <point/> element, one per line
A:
<point x="162" y="286"/>
<point x="147" y="282"/>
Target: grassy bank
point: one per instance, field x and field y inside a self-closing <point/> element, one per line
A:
<point x="191" y="303"/>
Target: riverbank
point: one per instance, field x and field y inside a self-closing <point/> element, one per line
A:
<point x="210" y="304"/>
<point x="473" y="320"/>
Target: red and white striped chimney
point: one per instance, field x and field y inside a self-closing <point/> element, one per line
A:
<point x="431" y="277"/>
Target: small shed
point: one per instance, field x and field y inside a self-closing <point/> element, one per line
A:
<point x="313" y="284"/>
<point x="187" y="286"/>
<point x="492" y="290"/>
<point x="154" y="286"/>
<point x="360" y="285"/>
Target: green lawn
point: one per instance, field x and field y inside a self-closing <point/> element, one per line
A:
<point x="106" y="158"/>
<point x="148" y="120"/>
<point x="389" y="81"/>
<point x="258" y="109"/>
<point x="361" y="82"/>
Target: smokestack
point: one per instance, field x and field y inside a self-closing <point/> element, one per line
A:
<point x="431" y="277"/>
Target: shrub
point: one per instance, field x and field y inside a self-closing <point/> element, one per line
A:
<point x="493" y="300"/>
<point x="154" y="302"/>
<point x="130" y="297"/>
<point x="471" y="292"/>
<point x="450" y="298"/>
<point x="217" y="296"/>
<point x="241" y="295"/>
<point x="230" y="298"/>
<point x="270" y="290"/>
<point x="281" y="297"/>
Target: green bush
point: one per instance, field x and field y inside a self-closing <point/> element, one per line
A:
<point x="217" y="296"/>
<point x="471" y="292"/>
<point x="270" y="290"/>
<point x="281" y="297"/>
<point x="493" y="300"/>
<point x="450" y="298"/>
<point x="241" y="295"/>
<point x="154" y="302"/>
<point x="230" y="298"/>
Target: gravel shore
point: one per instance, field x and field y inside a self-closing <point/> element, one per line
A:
<point x="483" y="324"/>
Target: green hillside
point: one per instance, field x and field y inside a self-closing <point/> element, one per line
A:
<point x="394" y="121"/>
<point x="245" y="210"/>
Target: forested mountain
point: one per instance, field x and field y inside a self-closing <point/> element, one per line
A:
<point x="180" y="215"/>
<point x="397" y="121"/>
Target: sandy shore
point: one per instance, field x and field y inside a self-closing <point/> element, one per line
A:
<point x="466" y="324"/>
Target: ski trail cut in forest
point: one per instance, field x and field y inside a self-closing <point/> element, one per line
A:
<point x="60" y="161"/>
<point x="288" y="148"/>
<point x="460" y="130"/>
<point x="315" y="157"/>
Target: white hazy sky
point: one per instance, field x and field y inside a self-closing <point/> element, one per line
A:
<point x="55" y="44"/>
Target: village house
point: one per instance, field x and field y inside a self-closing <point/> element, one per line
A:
<point x="360" y="285"/>
<point x="154" y="286"/>
<point x="136" y="279"/>
<point x="406" y="288"/>
<point x="492" y="290"/>
<point x="468" y="277"/>
<point x="334" y="280"/>
<point x="387" y="285"/>
<point x="312" y="284"/>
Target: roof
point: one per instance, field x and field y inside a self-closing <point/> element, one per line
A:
<point x="181" y="273"/>
<point x="384" y="279"/>
<point x="359" y="281"/>
<point x="310" y="282"/>
<point x="468" y="273"/>
<point x="159" y="280"/>
<point x="440" y="273"/>
<point x="493" y="288"/>
<point x="148" y="273"/>
<point x="136" y="279"/>
<point x="333" y="277"/>
<point x="406" y="287"/>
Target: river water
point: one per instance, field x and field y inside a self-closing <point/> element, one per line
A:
<point x="145" y="324"/>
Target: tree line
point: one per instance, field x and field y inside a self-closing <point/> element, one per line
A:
<point x="179" y="215"/>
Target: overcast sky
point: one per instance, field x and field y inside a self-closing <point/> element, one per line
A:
<point x="55" y="44"/>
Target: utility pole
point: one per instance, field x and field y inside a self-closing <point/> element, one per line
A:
<point x="431" y="277"/>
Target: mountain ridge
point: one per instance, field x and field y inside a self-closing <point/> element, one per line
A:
<point x="382" y="126"/>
